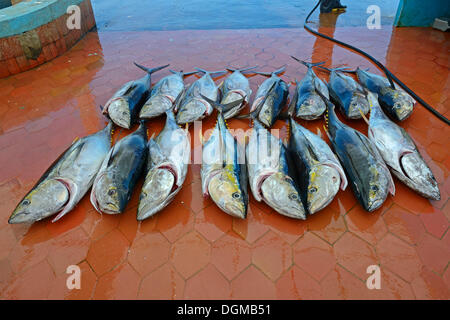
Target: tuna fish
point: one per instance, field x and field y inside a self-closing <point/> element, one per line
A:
<point x="395" y="102"/>
<point x="168" y="158"/>
<point x="318" y="171"/>
<point x="163" y="95"/>
<point x="193" y="107"/>
<point x="274" y="102"/>
<point x="223" y="172"/>
<point x="124" y="106"/>
<point x="347" y="94"/>
<point x="66" y="181"/>
<point x="400" y="152"/>
<point x="269" y="173"/>
<point x="307" y="103"/>
<point x="235" y="87"/>
<point x="369" y="176"/>
<point x="119" y="173"/>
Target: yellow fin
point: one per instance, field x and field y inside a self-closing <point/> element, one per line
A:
<point x="363" y="116"/>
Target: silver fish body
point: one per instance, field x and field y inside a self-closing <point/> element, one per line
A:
<point x="124" y="106"/>
<point x="119" y="173"/>
<point x="162" y="96"/>
<point x="193" y="107"/>
<point x="366" y="170"/>
<point x="168" y="158"/>
<point x="66" y="181"/>
<point x="348" y="95"/>
<point x="398" y="104"/>
<point x="235" y="87"/>
<point x="223" y="172"/>
<point x="269" y="174"/>
<point x="273" y="92"/>
<point x="400" y="152"/>
<point x="319" y="173"/>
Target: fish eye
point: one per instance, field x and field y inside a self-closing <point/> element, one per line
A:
<point x="236" y="195"/>
<point x="111" y="192"/>
<point x="293" y="196"/>
<point x="374" y="188"/>
<point x="312" y="189"/>
<point x="26" y="202"/>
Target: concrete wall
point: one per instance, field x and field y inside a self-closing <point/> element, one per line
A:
<point x="34" y="32"/>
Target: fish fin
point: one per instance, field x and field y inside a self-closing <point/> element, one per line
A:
<point x="75" y="140"/>
<point x="355" y="70"/>
<point x="72" y="188"/>
<point x="333" y="69"/>
<point x="319" y="133"/>
<point x="223" y="107"/>
<point x="326" y="131"/>
<point x="148" y="70"/>
<point x="363" y="116"/>
<point x="220" y="85"/>
<point x="308" y="64"/>
<point x="178" y="100"/>
<point x="200" y="136"/>
<point x="291" y="108"/>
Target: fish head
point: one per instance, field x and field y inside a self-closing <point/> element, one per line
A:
<point x="323" y="184"/>
<point x="192" y="110"/>
<point x="266" y="115"/>
<point x="280" y="193"/>
<point x="44" y="200"/>
<point x="377" y="187"/>
<point x="225" y="191"/>
<point x="311" y="107"/>
<point x="119" y="112"/>
<point x="155" y="192"/>
<point x="155" y="106"/>
<point x="109" y="196"/>
<point x="402" y="104"/>
<point x="358" y="104"/>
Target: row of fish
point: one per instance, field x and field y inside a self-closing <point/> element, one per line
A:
<point x="296" y="178"/>
<point x="112" y="172"/>
<point x="137" y="100"/>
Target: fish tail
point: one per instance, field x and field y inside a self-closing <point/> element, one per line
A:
<point x="210" y="72"/>
<point x="148" y="70"/>
<point x="242" y="69"/>
<point x="269" y="74"/>
<point x="335" y="69"/>
<point x="308" y="64"/>
<point x="183" y="74"/>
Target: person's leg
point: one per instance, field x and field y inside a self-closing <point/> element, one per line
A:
<point x="331" y="5"/>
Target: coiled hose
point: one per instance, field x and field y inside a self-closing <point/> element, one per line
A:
<point x="391" y="77"/>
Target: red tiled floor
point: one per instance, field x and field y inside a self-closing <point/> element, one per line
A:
<point x="192" y="249"/>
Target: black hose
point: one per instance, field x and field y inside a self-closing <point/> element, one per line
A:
<point x="389" y="74"/>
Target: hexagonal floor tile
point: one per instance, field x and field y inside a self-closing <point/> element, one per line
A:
<point x="272" y="255"/>
<point x="404" y="224"/>
<point x="164" y="283"/>
<point x="185" y="249"/>
<point x="207" y="284"/>
<point x="368" y="226"/>
<point x="314" y="255"/>
<point x="118" y="284"/>
<point x="148" y="253"/>
<point x="107" y="252"/>
<point x="252" y="284"/>
<point x="295" y="284"/>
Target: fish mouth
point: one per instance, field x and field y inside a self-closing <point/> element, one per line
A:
<point x="403" y="110"/>
<point x="357" y="105"/>
<point x="278" y="192"/>
<point x="193" y="110"/>
<point x="374" y="205"/>
<point x="158" y="190"/>
<point x="156" y="106"/>
<point x="232" y="96"/>
<point x="311" y="108"/>
<point x="118" y="110"/>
